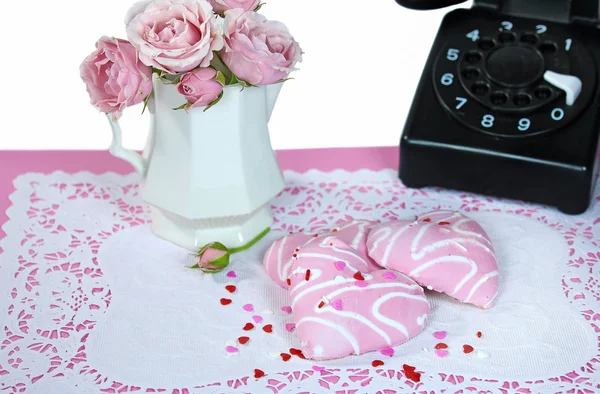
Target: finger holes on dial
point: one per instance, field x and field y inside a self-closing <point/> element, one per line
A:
<point x="522" y="99"/>
<point x="548" y="48"/>
<point x="499" y="98"/>
<point x="529" y="38"/>
<point x="473" y="57"/>
<point x="470" y="73"/>
<point x="480" y="88"/>
<point x="486" y="43"/>
<point x="543" y="92"/>
<point x="507" y="37"/>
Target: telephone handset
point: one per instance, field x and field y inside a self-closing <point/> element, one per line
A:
<point x="508" y="102"/>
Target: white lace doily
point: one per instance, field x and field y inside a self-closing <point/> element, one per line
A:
<point x="92" y="302"/>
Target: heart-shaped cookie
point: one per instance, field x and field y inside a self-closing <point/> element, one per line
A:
<point x="442" y="250"/>
<point x="281" y="254"/>
<point x="339" y="310"/>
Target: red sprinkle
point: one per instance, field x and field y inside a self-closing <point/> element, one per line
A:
<point x="316" y="235"/>
<point x="248" y="327"/>
<point x="258" y="374"/>
<point x="444" y="223"/>
<point x="285" y="357"/>
<point x="478" y="334"/>
<point x="377" y="363"/>
<point x="230" y="288"/>
<point x="321" y="304"/>
<point x="225" y="301"/>
<point x="441" y="345"/>
<point x="427" y="220"/>
<point x="468" y="349"/>
<point x="289" y="282"/>
<point x="409" y="372"/>
<point x="307" y="276"/>
<point x="294" y="255"/>
<point x="358" y="276"/>
<point x="297" y="352"/>
<point x="268" y="328"/>
<point x="335" y="230"/>
<point x="243" y="340"/>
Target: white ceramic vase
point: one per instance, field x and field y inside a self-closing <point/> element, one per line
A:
<point x="208" y="176"/>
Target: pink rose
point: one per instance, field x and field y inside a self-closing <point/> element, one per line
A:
<point x="257" y="50"/>
<point x="220" y="6"/>
<point x="174" y="35"/>
<point x="114" y="76"/>
<point x="212" y="258"/>
<point x="200" y="87"/>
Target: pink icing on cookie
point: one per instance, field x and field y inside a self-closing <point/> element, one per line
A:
<point x="335" y="318"/>
<point x="442" y="250"/>
<point x="279" y="257"/>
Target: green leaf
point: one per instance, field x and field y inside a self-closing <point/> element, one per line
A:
<point x="182" y="106"/>
<point x="146" y="101"/>
<point x="218" y="64"/>
<point x="194" y="267"/>
<point x="209" y="106"/>
<point x="221" y="78"/>
<point x="259" y="6"/>
<point x="283" y="80"/>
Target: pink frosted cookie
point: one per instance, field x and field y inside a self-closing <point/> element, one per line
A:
<point x="442" y="250"/>
<point x="280" y="255"/>
<point x="340" y="311"/>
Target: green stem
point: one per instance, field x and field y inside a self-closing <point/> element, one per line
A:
<point x="251" y="243"/>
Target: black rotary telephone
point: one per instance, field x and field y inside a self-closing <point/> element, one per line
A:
<point x="508" y="102"/>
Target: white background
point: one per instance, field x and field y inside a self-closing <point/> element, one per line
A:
<point x="362" y="63"/>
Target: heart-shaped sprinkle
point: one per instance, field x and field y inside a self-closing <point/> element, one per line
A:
<point x="482" y="354"/>
<point x="248" y="327"/>
<point x="296" y="352"/>
<point x="268" y="328"/>
<point x="388" y="351"/>
<point x="361" y="284"/>
<point x="248" y="308"/>
<point x="339" y="279"/>
<point x="441" y="352"/>
<point x="258" y="374"/>
<point x="337" y="304"/>
<point x="377" y="363"/>
<point x="358" y="276"/>
<point x="231" y="274"/>
<point x="267" y="312"/>
<point x="441" y="345"/>
<point x="231" y="349"/>
<point x="408" y="369"/>
<point x="468" y="349"/>
<point x="243" y="340"/>
<point x="317" y="368"/>
<point x="389" y="275"/>
<point x="285" y="357"/>
<point x="225" y="301"/>
<point x="286" y="309"/>
<point x="440" y="334"/>
<point x="339" y="265"/>
<point x="230" y="288"/>
<point x="257" y="319"/>
<point x="274" y="354"/>
<point x="289" y="327"/>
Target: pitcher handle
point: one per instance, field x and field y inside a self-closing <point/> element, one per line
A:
<point x="117" y="150"/>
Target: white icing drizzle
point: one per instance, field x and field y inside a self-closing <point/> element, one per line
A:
<point x="282" y="275"/>
<point x="446" y="259"/>
<point x="386" y="230"/>
<point x="360" y="318"/>
<point x="353" y="342"/>
<point x="386" y="254"/>
<point x="315" y="273"/>
<point x="481" y="281"/>
<point x="386" y="320"/>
